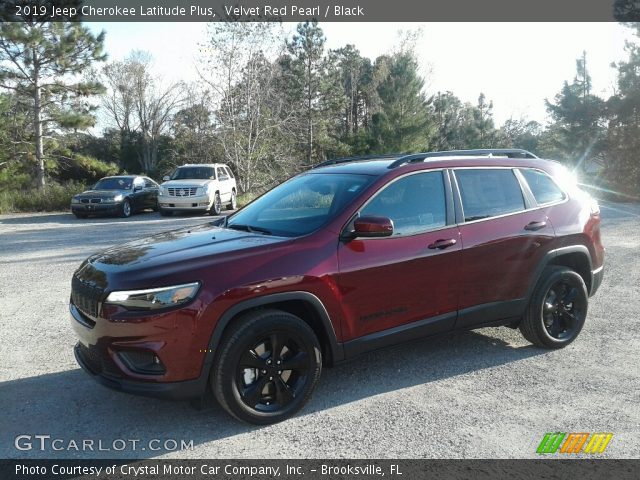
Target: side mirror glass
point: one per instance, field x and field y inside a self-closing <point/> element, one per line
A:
<point x="372" y="227"/>
<point x="137" y="188"/>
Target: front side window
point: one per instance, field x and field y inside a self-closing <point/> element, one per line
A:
<point x="543" y="188"/>
<point x="221" y="172"/>
<point x="489" y="192"/>
<point x="300" y="205"/>
<point x="415" y="203"/>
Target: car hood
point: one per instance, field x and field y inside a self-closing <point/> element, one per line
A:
<point x="102" y="193"/>
<point x="183" y="249"/>
<point x="187" y="182"/>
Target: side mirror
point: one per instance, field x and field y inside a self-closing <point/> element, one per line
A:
<point x="166" y="178"/>
<point x="137" y="188"/>
<point x="372" y="227"/>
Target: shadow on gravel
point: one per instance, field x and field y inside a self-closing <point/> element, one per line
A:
<point x="69" y="405"/>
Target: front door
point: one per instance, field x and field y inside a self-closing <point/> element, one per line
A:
<point x="410" y="276"/>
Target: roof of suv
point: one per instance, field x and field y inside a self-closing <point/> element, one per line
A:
<point x="382" y="164"/>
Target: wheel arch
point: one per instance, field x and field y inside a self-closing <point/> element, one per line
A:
<point x="304" y="305"/>
<point x="576" y="257"/>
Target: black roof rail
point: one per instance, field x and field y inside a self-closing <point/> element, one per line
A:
<point x="497" y="152"/>
<point x="336" y="161"/>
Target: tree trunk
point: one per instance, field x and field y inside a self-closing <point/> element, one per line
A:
<point x="37" y="124"/>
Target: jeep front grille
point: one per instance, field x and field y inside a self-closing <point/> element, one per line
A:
<point x="85" y="297"/>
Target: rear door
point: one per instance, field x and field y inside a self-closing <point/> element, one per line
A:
<point x="151" y="193"/>
<point x="403" y="279"/>
<point x="504" y="237"/>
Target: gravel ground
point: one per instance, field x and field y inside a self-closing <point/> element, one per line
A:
<point x="482" y="394"/>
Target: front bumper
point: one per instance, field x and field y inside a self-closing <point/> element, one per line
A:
<point x="95" y="208"/>
<point x="195" y="202"/>
<point x="185" y="390"/>
<point x="102" y="344"/>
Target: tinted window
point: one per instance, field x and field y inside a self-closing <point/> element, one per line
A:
<point x="114" y="183"/>
<point x="301" y="205"/>
<point x="148" y="183"/>
<point x="488" y="193"/>
<point x="543" y="188"/>
<point x="194" y="173"/>
<point x="415" y="203"/>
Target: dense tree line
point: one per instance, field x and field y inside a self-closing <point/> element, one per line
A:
<point x="271" y="106"/>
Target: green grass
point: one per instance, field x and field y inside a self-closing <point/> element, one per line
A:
<point x="55" y="197"/>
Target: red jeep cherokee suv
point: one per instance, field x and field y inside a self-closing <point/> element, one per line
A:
<point x="353" y="255"/>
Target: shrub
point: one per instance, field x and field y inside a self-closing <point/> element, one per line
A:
<point x="56" y="197"/>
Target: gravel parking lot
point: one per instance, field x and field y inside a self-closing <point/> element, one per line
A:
<point x="481" y="394"/>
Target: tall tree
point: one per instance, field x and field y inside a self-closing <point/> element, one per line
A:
<point x="623" y="163"/>
<point x="402" y="123"/>
<point x="43" y="62"/>
<point x="578" y="116"/>
<point x="140" y="106"/>
<point x="305" y="64"/>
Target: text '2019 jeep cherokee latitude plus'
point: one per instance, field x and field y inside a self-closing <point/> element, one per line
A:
<point x="352" y="256"/>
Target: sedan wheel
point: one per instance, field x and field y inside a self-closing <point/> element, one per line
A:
<point x="125" y="209"/>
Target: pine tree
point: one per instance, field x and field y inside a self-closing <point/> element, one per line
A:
<point x="43" y="62"/>
<point x="402" y="123"/>
<point x="578" y="116"/>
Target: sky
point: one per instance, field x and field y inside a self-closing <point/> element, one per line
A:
<point x="516" y="65"/>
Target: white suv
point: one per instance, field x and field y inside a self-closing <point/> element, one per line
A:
<point x="202" y="187"/>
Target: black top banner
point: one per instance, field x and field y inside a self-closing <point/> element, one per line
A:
<point x="321" y="10"/>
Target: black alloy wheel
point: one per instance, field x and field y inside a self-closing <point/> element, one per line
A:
<point x="267" y="367"/>
<point x="557" y="310"/>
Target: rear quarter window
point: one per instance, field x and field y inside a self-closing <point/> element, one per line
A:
<point x="542" y="186"/>
<point x="488" y="192"/>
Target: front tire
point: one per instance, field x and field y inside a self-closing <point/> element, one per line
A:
<point x="557" y="310"/>
<point x="125" y="208"/>
<point x="267" y="367"/>
<point x="216" y="208"/>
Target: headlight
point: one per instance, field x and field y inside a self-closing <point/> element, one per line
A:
<point x="117" y="198"/>
<point x="75" y="200"/>
<point x="154" y="298"/>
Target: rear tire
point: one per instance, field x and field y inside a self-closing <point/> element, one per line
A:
<point x="250" y="377"/>
<point x="557" y="310"/>
<point x="233" y="204"/>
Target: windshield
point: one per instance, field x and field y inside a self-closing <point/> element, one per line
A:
<point x="193" y="173"/>
<point x="114" y="183"/>
<point x="300" y="205"/>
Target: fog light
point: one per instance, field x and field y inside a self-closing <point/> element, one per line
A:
<point x="142" y="361"/>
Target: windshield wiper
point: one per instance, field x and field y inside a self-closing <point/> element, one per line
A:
<point x="249" y="228"/>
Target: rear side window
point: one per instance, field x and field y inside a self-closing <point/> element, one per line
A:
<point x="488" y="193"/>
<point x="221" y="172"/>
<point x="415" y="203"/>
<point x="543" y="188"/>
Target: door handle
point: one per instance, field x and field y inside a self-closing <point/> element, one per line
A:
<point x="535" y="226"/>
<point x="441" y="244"/>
